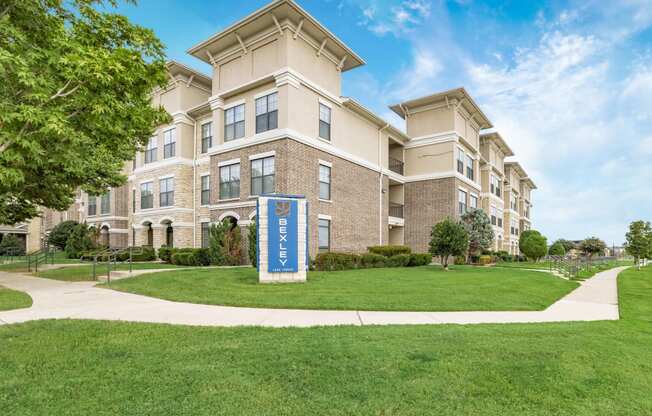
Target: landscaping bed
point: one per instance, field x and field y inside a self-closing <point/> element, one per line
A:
<point x="426" y="288"/>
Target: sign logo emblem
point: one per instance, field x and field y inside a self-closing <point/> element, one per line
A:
<point x="282" y="209"/>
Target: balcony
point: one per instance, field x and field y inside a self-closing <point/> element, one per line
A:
<point x="396" y="210"/>
<point x="396" y="165"/>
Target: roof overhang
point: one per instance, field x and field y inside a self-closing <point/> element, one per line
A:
<point x="517" y="167"/>
<point x="177" y="68"/>
<point x="457" y="95"/>
<point x="529" y="182"/>
<point x="498" y="140"/>
<point x="275" y="14"/>
<point x="361" y="110"/>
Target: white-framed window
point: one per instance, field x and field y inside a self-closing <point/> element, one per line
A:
<point x="105" y="203"/>
<point x="469" y="167"/>
<point x="205" y="233"/>
<point x="230" y="181"/>
<point x="500" y="217"/>
<point x="205" y="189"/>
<point x="513" y="202"/>
<point x="150" y="150"/>
<point x="324" y="182"/>
<point x="169" y="143"/>
<point x="461" y="198"/>
<point x="166" y="193"/>
<point x="473" y="201"/>
<point x="146" y="195"/>
<point x="267" y="112"/>
<point x="262" y="176"/>
<point x="92" y="205"/>
<point x="460" y="160"/>
<point x="234" y="123"/>
<point x="324" y="237"/>
<point x="206" y="136"/>
<point x="494" y="215"/>
<point x="324" y="122"/>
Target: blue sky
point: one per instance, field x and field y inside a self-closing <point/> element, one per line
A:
<point x="567" y="83"/>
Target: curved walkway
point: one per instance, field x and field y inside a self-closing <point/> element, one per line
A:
<point x="596" y="299"/>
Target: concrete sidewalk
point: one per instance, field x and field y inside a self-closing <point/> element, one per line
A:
<point x="596" y="299"/>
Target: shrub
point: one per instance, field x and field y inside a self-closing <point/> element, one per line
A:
<point x="202" y="257"/>
<point x="58" y="237"/>
<point x="181" y="258"/>
<point x="369" y="260"/>
<point x="11" y="245"/>
<point x="336" y="261"/>
<point x="225" y="244"/>
<point x="79" y="241"/>
<point x="533" y="244"/>
<point x="557" y="249"/>
<point x="252" y="235"/>
<point x="190" y="257"/>
<point x="389" y="251"/>
<point x="420" y="259"/>
<point x="399" y="260"/>
<point x="165" y="253"/>
<point x="484" y="260"/>
<point x="460" y="260"/>
<point x="448" y="238"/>
<point x="144" y="253"/>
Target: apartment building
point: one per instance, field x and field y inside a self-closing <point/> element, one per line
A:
<point x="517" y="205"/>
<point x="271" y="119"/>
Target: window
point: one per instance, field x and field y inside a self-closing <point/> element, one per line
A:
<point x="133" y="200"/>
<point x="206" y="137"/>
<point x="92" y="205"/>
<point x="169" y="143"/>
<point x="513" y="202"/>
<point x="234" y="125"/>
<point x="230" y="181"/>
<point x="469" y="167"/>
<point x="494" y="220"/>
<point x="146" y="195"/>
<point x="500" y="218"/>
<point x="495" y="185"/>
<point x="105" y="203"/>
<point x="462" y="201"/>
<point x="498" y="187"/>
<point x="267" y="113"/>
<point x="324" y="235"/>
<point x="205" y="227"/>
<point x="205" y="190"/>
<point x="324" y="182"/>
<point x="473" y="201"/>
<point x="262" y="176"/>
<point x="460" y="161"/>
<point x="324" y="122"/>
<point x="150" y="151"/>
<point x="166" y="194"/>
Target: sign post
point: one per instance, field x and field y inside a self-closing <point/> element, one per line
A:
<point x="282" y="229"/>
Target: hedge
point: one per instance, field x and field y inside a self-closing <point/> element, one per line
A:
<point x="420" y="259"/>
<point x="191" y="257"/>
<point x="389" y="251"/>
<point x="332" y="261"/>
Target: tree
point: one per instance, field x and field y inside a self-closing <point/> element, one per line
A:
<point x="79" y="241"/>
<point x="481" y="233"/>
<point x="448" y="238"/>
<point x="253" y="243"/>
<point x="557" y="249"/>
<point x="225" y="243"/>
<point x="591" y="246"/>
<point x="639" y="240"/>
<point x="74" y="101"/>
<point x="533" y="244"/>
<point x="58" y="237"/>
<point x="11" y="245"/>
<point x="567" y="244"/>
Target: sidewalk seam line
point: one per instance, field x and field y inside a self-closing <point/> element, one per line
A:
<point x="359" y="318"/>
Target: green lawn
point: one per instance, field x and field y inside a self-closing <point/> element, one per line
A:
<point x="21" y="265"/>
<point x="85" y="273"/>
<point x="427" y="288"/>
<point x="583" y="274"/>
<point x="565" y="369"/>
<point x="13" y="299"/>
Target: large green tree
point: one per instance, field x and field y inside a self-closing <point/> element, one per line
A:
<point x="533" y="244"/>
<point x="481" y="233"/>
<point x="591" y="246"/>
<point x="567" y="244"/>
<point x="557" y="249"/>
<point x="639" y="240"/>
<point x="448" y="238"/>
<point x="74" y="100"/>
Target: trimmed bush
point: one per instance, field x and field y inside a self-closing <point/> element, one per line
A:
<point x="336" y="261"/>
<point x="181" y="259"/>
<point x="191" y="257"/>
<point x="484" y="260"/>
<point x="370" y="260"/>
<point x="460" y="260"/>
<point x="202" y="257"/>
<point x="420" y="259"/>
<point x="389" y="251"/>
<point x="399" y="260"/>
<point x="165" y="253"/>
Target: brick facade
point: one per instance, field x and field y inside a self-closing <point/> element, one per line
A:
<point x="426" y="203"/>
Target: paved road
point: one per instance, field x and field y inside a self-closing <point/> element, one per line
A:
<point x="596" y="299"/>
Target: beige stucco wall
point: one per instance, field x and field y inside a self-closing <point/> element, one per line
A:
<point x="428" y="122"/>
<point x="429" y="159"/>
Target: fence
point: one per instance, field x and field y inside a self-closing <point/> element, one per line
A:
<point x="571" y="267"/>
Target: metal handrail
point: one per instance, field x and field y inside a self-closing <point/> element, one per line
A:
<point x="112" y="255"/>
<point x="396" y="165"/>
<point x="396" y="210"/>
<point x="40" y="256"/>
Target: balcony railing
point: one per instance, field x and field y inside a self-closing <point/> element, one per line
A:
<point x="396" y="165"/>
<point x="396" y="210"/>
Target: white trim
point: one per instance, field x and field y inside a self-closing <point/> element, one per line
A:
<point x="228" y="162"/>
<point x="329" y="201"/>
<point x="168" y="176"/>
<point x="96" y="218"/>
<point x="202" y="160"/>
<point x="448" y="136"/>
<point x="466" y="191"/>
<point x="325" y="217"/>
<point x="204" y="220"/>
<point x="144" y="181"/>
<point x="474" y="194"/>
<point x="326" y="103"/>
<point x="265" y="93"/>
<point x="233" y="205"/>
<point x="229" y="214"/>
<point x="226" y="200"/>
<point x="325" y="163"/>
<point x="202" y="174"/>
<point x="118" y="231"/>
<point x="180" y="117"/>
<point x="234" y="104"/>
<point x="162" y="210"/>
<point x="163" y="163"/>
<point x="395" y="221"/>
<point x="262" y="155"/>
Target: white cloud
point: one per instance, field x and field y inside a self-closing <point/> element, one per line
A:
<point x="398" y="20"/>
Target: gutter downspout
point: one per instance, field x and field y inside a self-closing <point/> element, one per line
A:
<point x="380" y="185"/>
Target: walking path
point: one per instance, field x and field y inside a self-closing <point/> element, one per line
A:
<point x="596" y="299"/>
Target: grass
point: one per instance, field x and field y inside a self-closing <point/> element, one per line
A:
<point x="408" y="289"/>
<point x="13" y="299"/>
<point x="85" y="273"/>
<point x="581" y="275"/>
<point x="102" y="368"/>
<point x="21" y="265"/>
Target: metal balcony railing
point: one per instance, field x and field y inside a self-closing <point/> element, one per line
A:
<point x="396" y="165"/>
<point x="396" y="210"/>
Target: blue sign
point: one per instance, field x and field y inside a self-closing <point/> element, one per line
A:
<point x="282" y="235"/>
